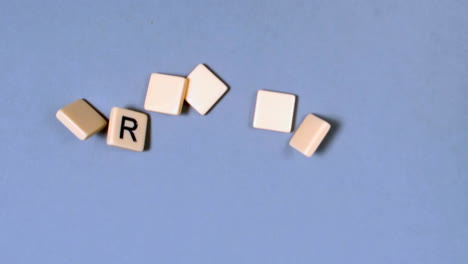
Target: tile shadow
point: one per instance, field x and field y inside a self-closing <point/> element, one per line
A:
<point x="222" y="80"/>
<point x="253" y="103"/>
<point x="335" y="129"/>
<point x="185" y="109"/>
<point x="294" y="120"/>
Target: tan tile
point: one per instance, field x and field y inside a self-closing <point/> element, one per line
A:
<point x="127" y="129"/>
<point x="204" y="89"/>
<point x="274" y="111"/>
<point x="81" y="119"/>
<point x="309" y="135"/>
<point x="166" y="94"/>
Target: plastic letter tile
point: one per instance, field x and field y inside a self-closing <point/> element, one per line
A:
<point x="81" y="119"/>
<point x="309" y="135"/>
<point x="274" y="111"/>
<point x="166" y="94"/>
<point x="127" y="129"/>
<point x="204" y="89"/>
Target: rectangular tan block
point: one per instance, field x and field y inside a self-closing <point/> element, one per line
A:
<point x="166" y="94"/>
<point x="81" y="119"/>
<point x="309" y="135"/>
<point x="274" y="111"/>
<point x="204" y="89"/>
<point x="127" y="129"/>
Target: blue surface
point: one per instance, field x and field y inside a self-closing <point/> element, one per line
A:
<point x="389" y="186"/>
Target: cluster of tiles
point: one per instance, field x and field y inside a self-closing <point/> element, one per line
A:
<point x="275" y="111"/>
<point x="201" y="89"/>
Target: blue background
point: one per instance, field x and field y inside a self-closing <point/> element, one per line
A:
<point x="390" y="184"/>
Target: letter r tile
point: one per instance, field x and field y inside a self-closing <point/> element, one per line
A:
<point x="127" y="129"/>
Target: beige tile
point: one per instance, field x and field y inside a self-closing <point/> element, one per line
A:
<point x="127" y="129"/>
<point x="81" y="119"/>
<point x="204" y="89"/>
<point x="274" y="111"/>
<point x="309" y="135"/>
<point x="166" y="94"/>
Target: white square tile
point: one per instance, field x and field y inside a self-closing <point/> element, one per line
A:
<point x="274" y="111"/>
<point x="166" y="94"/>
<point x="204" y="89"/>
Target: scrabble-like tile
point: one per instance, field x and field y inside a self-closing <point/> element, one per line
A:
<point x="309" y="135"/>
<point x="127" y="129"/>
<point x="166" y="94"/>
<point x="274" y="111"/>
<point x="81" y="119"/>
<point x="204" y="89"/>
